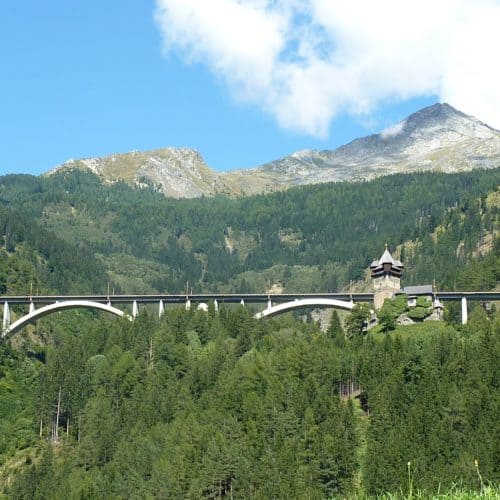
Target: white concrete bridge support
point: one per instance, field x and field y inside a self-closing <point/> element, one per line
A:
<point x="464" y="310"/>
<point x="32" y="308"/>
<point x="135" y="309"/>
<point x="161" y="309"/>
<point x="6" y="317"/>
<point x="216" y="305"/>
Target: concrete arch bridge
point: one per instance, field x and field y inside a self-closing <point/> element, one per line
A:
<point x="42" y="305"/>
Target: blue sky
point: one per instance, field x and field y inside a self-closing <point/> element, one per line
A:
<point x="87" y="78"/>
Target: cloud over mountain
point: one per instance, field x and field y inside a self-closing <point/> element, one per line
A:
<point x="306" y="61"/>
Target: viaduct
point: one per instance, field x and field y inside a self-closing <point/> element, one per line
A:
<point x="386" y="274"/>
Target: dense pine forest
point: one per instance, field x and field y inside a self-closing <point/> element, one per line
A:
<point x="218" y="404"/>
<point x="205" y="405"/>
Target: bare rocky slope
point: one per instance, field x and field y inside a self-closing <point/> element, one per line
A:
<point x="178" y="172"/>
<point x="438" y="137"/>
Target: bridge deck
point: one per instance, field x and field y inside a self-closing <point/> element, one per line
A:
<point x="230" y="298"/>
<point x="275" y="303"/>
<point x="255" y="298"/>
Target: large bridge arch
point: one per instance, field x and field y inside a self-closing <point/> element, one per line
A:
<point x="60" y="306"/>
<point x="302" y="303"/>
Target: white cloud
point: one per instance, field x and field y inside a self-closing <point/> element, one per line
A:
<point x="394" y="130"/>
<point x="305" y="61"/>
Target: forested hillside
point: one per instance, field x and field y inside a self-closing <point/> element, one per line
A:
<point x="212" y="405"/>
<point x="314" y="238"/>
<point x="221" y="405"/>
<point x="33" y="258"/>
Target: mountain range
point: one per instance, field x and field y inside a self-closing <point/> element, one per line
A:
<point x="437" y="138"/>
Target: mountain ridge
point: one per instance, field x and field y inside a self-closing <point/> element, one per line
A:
<point x="437" y="137"/>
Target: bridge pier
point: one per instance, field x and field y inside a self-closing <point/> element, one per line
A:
<point x="161" y="309"/>
<point x="242" y="302"/>
<point x="32" y="308"/>
<point x="188" y="305"/>
<point x="464" y="310"/>
<point x="216" y="306"/>
<point x="6" y="317"/>
<point x="135" y="309"/>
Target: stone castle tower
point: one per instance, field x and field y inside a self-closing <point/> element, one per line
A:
<point x="386" y="274"/>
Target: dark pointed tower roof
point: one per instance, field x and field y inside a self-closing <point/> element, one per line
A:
<point x="387" y="264"/>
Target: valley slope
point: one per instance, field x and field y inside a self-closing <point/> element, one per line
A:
<point x="307" y="238"/>
<point x="205" y="405"/>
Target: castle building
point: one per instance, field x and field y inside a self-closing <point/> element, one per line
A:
<point x="386" y="274"/>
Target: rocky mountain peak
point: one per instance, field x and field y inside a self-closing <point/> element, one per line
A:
<point x="437" y="137"/>
<point x="439" y="112"/>
<point x="177" y="172"/>
<point x="433" y="127"/>
<point x="441" y="118"/>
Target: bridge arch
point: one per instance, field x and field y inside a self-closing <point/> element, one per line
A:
<point x="301" y="303"/>
<point x="60" y="306"/>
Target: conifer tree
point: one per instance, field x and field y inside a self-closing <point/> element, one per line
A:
<point x="335" y="331"/>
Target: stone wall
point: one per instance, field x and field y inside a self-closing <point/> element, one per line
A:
<point x="384" y="288"/>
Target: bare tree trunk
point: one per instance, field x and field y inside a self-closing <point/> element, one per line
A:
<point x="150" y="355"/>
<point x="56" y="430"/>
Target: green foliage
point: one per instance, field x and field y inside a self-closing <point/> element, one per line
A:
<point x="357" y="321"/>
<point x="32" y="258"/>
<point x="422" y="309"/>
<point x="393" y="308"/>
<point x="17" y="378"/>
<point x="79" y="233"/>
<point x="418" y="312"/>
<point x="219" y="404"/>
<point x="431" y="406"/>
<point x="204" y="405"/>
<point x="390" y="311"/>
<point x="335" y="330"/>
